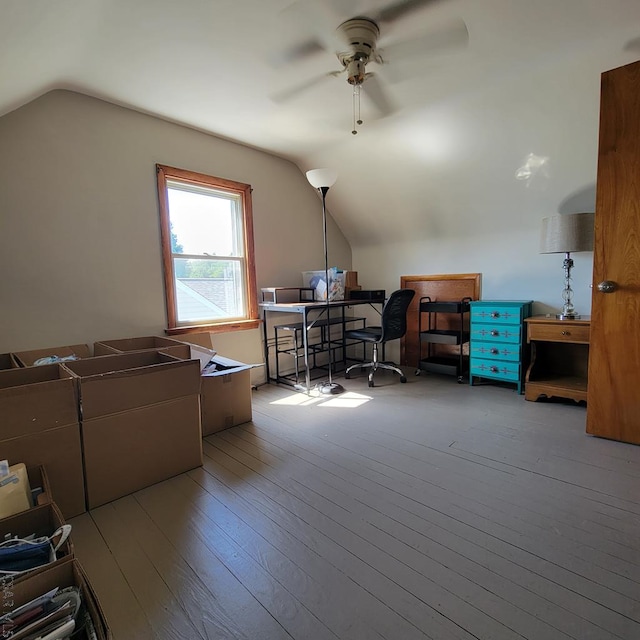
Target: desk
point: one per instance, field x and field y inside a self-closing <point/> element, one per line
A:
<point x="312" y="316"/>
<point x="559" y="358"/>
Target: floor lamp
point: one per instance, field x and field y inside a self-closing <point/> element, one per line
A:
<point x="567" y="234"/>
<point x="323" y="180"/>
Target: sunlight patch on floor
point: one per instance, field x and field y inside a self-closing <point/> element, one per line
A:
<point x="297" y="399"/>
<point x="348" y="400"/>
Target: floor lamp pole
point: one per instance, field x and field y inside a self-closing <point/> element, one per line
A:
<point x="330" y="387"/>
<point x="323" y="180"/>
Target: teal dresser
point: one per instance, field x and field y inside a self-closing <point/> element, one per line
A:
<point x="498" y="340"/>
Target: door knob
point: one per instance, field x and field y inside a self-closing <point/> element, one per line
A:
<point x="607" y="286"/>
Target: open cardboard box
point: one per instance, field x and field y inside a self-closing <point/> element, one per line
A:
<point x="41" y="521"/>
<point x="39" y="483"/>
<point x="140" y="421"/>
<point x="40" y="426"/>
<point x="8" y="361"/>
<point x="74" y="351"/>
<point x="225" y="391"/>
<point x="39" y="492"/>
<point x="66" y="573"/>
<point x="146" y="343"/>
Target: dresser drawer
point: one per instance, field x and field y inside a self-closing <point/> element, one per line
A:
<point x="509" y="371"/>
<point x="558" y="333"/>
<point x="487" y="350"/>
<point x="495" y="333"/>
<point x="496" y="314"/>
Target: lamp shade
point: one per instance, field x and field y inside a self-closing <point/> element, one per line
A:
<point x="567" y="233"/>
<point x="319" y="178"/>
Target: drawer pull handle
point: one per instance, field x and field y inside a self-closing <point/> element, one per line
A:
<point x="566" y="333"/>
<point x="493" y="369"/>
<point x="495" y="333"/>
<point x="494" y="351"/>
<point x="495" y="314"/>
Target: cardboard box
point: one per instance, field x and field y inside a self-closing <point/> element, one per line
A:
<point x="42" y="521"/>
<point x="140" y="421"/>
<point x="74" y="351"/>
<point x="40" y="487"/>
<point x="351" y="279"/>
<point x="38" y="490"/>
<point x="40" y="426"/>
<point x="7" y="361"/>
<point x="225" y="391"/>
<point x="67" y="573"/>
<point x="225" y="395"/>
<point x="146" y="343"/>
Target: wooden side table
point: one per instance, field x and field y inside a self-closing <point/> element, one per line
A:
<point x="559" y="358"/>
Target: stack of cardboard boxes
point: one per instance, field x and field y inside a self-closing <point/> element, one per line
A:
<point x="108" y="425"/>
<point x="92" y="429"/>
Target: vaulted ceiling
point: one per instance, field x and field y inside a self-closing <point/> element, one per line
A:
<point x="215" y="65"/>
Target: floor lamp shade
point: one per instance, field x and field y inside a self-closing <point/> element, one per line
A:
<point x="567" y="234"/>
<point x="319" y="178"/>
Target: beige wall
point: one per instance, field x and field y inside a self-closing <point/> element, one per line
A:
<point x="79" y="237"/>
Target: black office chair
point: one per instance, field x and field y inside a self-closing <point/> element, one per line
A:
<point x="393" y="326"/>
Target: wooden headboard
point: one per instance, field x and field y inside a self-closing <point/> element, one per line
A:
<point x="448" y="286"/>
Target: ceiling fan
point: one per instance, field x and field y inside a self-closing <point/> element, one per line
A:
<point x="356" y="44"/>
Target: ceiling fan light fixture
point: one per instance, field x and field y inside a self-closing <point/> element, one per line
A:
<point x="357" y="47"/>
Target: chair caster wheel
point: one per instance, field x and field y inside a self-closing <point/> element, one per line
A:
<point x="460" y="379"/>
<point x="403" y="379"/>
<point x="347" y="376"/>
<point x="418" y="371"/>
<point x="371" y="383"/>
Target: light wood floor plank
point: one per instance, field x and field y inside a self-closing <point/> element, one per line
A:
<point x="477" y="497"/>
<point x="288" y="616"/>
<point x="420" y="511"/>
<point x="117" y="599"/>
<point x="168" y="620"/>
<point x="448" y="547"/>
<point x="369" y="579"/>
<point x="310" y="509"/>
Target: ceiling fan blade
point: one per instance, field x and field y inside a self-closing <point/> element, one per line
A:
<point x="454" y="36"/>
<point x="295" y="53"/>
<point x="632" y="45"/>
<point x="316" y="23"/>
<point x="373" y="89"/>
<point x="400" y="9"/>
<point x="290" y="93"/>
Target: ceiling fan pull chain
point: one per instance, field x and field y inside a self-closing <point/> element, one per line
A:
<point x="356" y="95"/>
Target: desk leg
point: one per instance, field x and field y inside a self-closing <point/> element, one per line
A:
<point x="266" y="346"/>
<point x="305" y="341"/>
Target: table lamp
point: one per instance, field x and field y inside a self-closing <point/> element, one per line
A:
<point x="567" y="234"/>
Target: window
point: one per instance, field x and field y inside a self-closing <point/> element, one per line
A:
<point x="207" y="248"/>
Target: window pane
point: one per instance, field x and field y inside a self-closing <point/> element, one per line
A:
<point x="208" y="289"/>
<point x="204" y="222"/>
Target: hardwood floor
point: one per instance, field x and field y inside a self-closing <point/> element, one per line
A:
<point x="425" y="510"/>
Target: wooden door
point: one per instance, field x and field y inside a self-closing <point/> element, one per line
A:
<point x="613" y="395"/>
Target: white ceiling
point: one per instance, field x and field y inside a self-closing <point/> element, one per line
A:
<point x="205" y="63"/>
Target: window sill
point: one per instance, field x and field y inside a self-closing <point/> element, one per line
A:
<point x="222" y="327"/>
